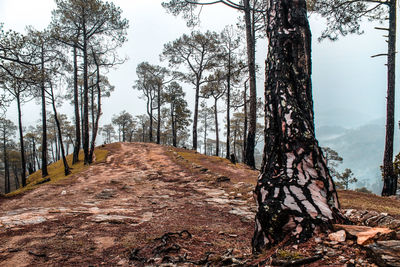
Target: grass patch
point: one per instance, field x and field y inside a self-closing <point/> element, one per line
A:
<point x="289" y="255"/>
<point x="56" y="172"/>
<point x="363" y="201"/>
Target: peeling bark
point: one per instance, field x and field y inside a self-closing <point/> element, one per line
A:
<point x="295" y="193"/>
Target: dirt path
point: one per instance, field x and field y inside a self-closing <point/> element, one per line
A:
<point x="113" y="213"/>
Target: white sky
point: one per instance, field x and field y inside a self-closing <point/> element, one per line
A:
<point x="344" y="75"/>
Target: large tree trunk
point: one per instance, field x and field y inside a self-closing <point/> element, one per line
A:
<point x="295" y="193"/>
<point x="196" y="115"/>
<point x="44" y="123"/>
<point x="389" y="178"/>
<point x="251" y="136"/>
<point x="21" y="142"/>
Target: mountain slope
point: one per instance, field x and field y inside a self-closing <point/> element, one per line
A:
<point x="146" y="205"/>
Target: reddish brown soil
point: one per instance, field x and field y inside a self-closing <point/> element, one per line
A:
<point x="72" y="223"/>
<point x="148" y="205"/>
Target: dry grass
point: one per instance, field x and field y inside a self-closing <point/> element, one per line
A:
<point x="363" y="201"/>
<point x="221" y="166"/>
<point x="56" y="172"/>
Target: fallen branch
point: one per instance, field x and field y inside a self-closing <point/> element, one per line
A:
<point x="296" y="262"/>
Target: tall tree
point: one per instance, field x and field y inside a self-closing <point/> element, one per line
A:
<point x="230" y="43"/>
<point x="123" y="120"/>
<point x="179" y="112"/>
<point x="46" y="52"/>
<point x="89" y="21"/>
<point x="108" y="133"/>
<point x="215" y="89"/>
<point x="197" y="52"/>
<point x="206" y="117"/>
<point x="344" y="17"/>
<point x="7" y="131"/>
<point x="254" y="12"/>
<point x="16" y="87"/>
<point x="51" y="94"/>
<point x="295" y="193"/>
<point x="151" y="82"/>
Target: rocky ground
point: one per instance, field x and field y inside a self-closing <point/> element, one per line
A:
<point x="150" y="205"/>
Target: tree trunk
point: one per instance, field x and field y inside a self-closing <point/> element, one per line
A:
<point x="85" y="98"/>
<point x="216" y="129"/>
<point x="228" y="109"/>
<point x="6" y="168"/>
<point x="15" y="170"/>
<point x="173" y="125"/>
<point x="389" y="178"/>
<point x="21" y="142"/>
<point x="151" y="125"/>
<point x="249" y="159"/>
<point x="158" y="113"/>
<point x="66" y="167"/>
<point x="44" y="123"/>
<point x="196" y="115"/>
<point x="295" y="193"/>
<point x="96" y="122"/>
<point x="205" y="135"/>
<point x="245" y="121"/>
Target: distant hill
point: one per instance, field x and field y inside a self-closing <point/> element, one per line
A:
<point x="361" y="148"/>
<point x="347" y="118"/>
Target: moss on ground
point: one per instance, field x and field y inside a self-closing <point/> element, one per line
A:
<point x="56" y="172"/>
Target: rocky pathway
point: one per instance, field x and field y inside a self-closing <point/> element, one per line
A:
<point x="113" y="213"/>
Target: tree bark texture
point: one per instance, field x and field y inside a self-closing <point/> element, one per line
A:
<point x="389" y="178"/>
<point x="251" y="136"/>
<point x="295" y="193"/>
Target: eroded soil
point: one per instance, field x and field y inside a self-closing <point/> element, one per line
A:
<point x="150" y="205"/>
<point x="125" y="211"/>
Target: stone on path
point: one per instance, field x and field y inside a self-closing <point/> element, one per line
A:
<point x="339" y="236"/>
<point x="365" y="234"/>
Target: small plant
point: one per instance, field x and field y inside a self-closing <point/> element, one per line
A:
<point x="283" y="254"/>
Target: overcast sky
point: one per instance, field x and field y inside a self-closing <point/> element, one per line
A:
<point x="345" y="78"/>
